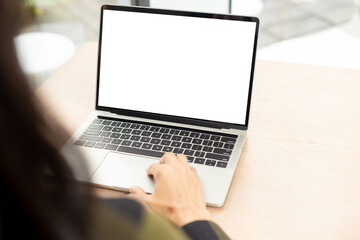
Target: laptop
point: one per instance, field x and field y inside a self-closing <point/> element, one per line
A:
<point x="168" y="81"/>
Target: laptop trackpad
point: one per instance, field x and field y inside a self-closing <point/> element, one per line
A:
<point x="122" y="171"/>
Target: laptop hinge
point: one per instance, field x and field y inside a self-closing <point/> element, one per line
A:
<point x="226" y="129"/>
<point x="233" y="129"/>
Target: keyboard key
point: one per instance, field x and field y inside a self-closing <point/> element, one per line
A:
<point x="186" y="139"/>
<point x="229" y="146"/>
<point x="91" y="138"/>
<point x="95" y="127"/>
<point x="115" y="135"/>
<point x="135" y="126"/>
<point x="218" y="144"/>
<point x="106" y="140"/>
<point x="166" y="136"/>
<point x="176" y="144"/>
<point x="111" y="147"/>
<point x="196" y="147"/>
<point x="155" y="141"/>
<point x="126" y="130"/>
<point x="197" y="141"/>
<point x="188" y="152"/>
<point x="157" y="147"/>
<point x="176" y="138"/>
<point x="107" y="128"/>
<point x="199" y="160"/>
<point x="136" y="144"/>
<point x="154" y="129"/>
<point x="199" y="154"/>
<point x="145" y="139"/>
<point x="125" y="136"/>
<point x="105" y="134"/>
<point x="125" y="125"/>
<point x="178" y="151"/>
<point x="165" y="142"/>
<point x="210" y="162"/>
<point x="186" y="145"/>
<point x="207" y="149"/>
<point x="228" y="140"/>
<point x="140" y="151"/>
<point x="215" y="138"/>
<point x="221" y="164"/>
<point x="164" y="130"/>
<point x="145" y="133"/>
<point x="184" y="133"/>
<point x="100" y="145"/>
<point x="156" y="135"/>
<point x="194" y="135"/>
<point x="116" y="141"/>
<point x="144" y="127"/>
<point x="135" y="138"/>
<point x="92" y="132"/>
<point x="116" y="130"/>
<point x="190" y="159"/>
<point x="147" y="146"/>
<point x="222" y="151"/>
<point x="168" y="149"/>
<point x="207" y="143"/>
<point x="97" y="121"/>
<point x="90" y="144"/>
<point x="205" y="136"/>
<point x="126" y="143"/>
<point x="80" y="142"/>
<point x="136" y="132"/>
<point x="115" y="124"/>
<point x="217" y="157"/>
<point x="106" y="122"/>
<point x="174" y="132"/>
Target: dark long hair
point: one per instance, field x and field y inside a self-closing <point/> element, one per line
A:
<point x="38" y="195"/>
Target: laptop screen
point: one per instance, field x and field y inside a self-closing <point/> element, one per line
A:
<point x="186" y="66"/>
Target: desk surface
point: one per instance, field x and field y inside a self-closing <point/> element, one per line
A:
<point x="299" y="174"/>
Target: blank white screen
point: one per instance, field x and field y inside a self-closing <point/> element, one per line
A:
<point x="182" y="66"/>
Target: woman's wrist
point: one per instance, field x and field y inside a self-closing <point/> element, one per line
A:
<point x="182" y="217"/>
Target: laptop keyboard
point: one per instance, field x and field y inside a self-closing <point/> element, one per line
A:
<point x="200" y="147"/>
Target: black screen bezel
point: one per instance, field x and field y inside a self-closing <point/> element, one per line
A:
<point x="177" y="119"/>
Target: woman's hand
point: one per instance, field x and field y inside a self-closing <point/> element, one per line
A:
<point x="178" y="193"/>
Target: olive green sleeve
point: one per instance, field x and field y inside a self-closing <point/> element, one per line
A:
<point x="127" y="219"/>
<point x="112" y="223"/>
<point x="155" y="227"/>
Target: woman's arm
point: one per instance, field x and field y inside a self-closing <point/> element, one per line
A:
<point x="179" y="197"/>
<point x="125" y="218"/>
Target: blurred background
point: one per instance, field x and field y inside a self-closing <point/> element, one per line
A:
<point x="321" y="32"/>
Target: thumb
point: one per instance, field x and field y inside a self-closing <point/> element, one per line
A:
<point x="138" y="194"/>
<point x="137" y="190"/>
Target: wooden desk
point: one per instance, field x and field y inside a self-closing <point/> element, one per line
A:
<point x="299" y="174"/>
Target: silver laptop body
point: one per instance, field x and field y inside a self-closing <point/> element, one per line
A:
<point x="165" y="77"/>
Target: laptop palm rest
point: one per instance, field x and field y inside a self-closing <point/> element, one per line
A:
<point x="122" y="171"/>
